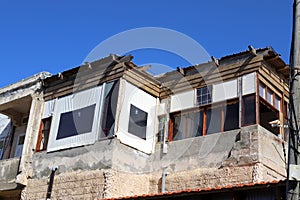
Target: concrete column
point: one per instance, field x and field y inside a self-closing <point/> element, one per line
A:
<point x="32" y="131"/>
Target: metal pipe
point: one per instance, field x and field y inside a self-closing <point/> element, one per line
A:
<point x="49" y="191"/>
<point x="163" y="181"/>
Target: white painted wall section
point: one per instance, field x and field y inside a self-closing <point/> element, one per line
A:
<point x="249" y="83"/>
<point x="224" y="91"/>
<point x="162" y="107"/>
<point x="147" y="103"/>
<point x="182" y="101"/>
<point x="49" y="108"/>
<point x="70" y="103"/>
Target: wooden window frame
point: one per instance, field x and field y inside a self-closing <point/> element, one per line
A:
<point x="204" y="109"/>
<point x="41" y="132"/>
<point x="209" y="92"/>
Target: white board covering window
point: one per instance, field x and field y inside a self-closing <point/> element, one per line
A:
<point x="75" y="120"/>
<point x="182" y="101"/>
<point x="137" y="119"/>
<point x="225" y="90"/>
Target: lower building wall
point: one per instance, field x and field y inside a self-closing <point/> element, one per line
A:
<point x="218" y="160"/>
<point x="78" y="185"/>
<point x="110" y="183"/>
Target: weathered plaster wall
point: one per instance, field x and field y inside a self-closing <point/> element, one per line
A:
<point x="91" y="157"/>
<point x="111" y="169"/>
<point x="8" y="172"/>
<point x="273" y="151"/>
<point x="69" y="185"/>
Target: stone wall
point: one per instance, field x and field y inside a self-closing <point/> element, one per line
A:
<point x="71" y="185"/>
<point x="249" y="155"/>
<point x="99" y="184"/>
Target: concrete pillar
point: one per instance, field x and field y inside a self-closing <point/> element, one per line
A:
<point x="32" y="131"/>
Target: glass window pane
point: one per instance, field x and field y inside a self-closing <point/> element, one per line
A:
<point x="21" y="140"/>
<point x="1" y="144"/>
<point x="195" y="124"/>
<point x="199" y="123"/>
<point x="262" y="92"/>
<point x="270" y="96"/>
<point x="179" y="127"/>
<point x="277" y="102"/>
<point x="109" y="110"/>
<point x="204" y="95"/>
<point x="214" y="120"/>
<point x="231" y="117"/>
<point x="249" y="115"/>
<point x="76" y="122"/>
<point x="138" y="122"/>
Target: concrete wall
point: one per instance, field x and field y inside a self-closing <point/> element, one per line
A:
<point x="70" y="185"/>
<point x="91" y="157"/>
<point x="8" y="172"/>
<point x="111" y="169"/>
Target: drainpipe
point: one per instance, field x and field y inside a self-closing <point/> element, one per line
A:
<point x="163" y="181"/>
<point x="166" y="133"/>
<point x="49" y="191"/>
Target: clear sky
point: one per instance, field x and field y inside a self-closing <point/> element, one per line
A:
<point x="56" y="35"/>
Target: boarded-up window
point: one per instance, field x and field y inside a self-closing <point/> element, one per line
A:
<point x="137" y="122"/>
<point x="76" y="122"/>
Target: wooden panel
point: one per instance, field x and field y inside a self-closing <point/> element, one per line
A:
<point x="141" y="85"/>
<point x="86" y="80"/>
<point x="273" y="83"/>
<point x="199" y="81"/>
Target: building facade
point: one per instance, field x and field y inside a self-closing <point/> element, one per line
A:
<point x="108" y="129"/>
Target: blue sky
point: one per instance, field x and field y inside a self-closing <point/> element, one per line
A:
<point x="57" y="35"/>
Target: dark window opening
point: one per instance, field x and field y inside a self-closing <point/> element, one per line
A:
<point x="1" y="148"/>
<point x="76" y="122"/>
<point x="231" y="117"/>
<point x="21" y="140"/>
<point x="138" y="122"/>
<point x="44" y="134"/>
<point x="204" y="95"/>
<point x="249" y="110"/>
<point x="267" y="114"/>
<point x="110" y="107"/>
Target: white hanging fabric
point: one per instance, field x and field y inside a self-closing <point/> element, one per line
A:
<point x="71" y="118"/>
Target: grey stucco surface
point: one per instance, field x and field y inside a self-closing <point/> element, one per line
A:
<point x="8" y="172"/>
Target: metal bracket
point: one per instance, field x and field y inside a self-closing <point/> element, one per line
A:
<point x="294" y="172"/>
